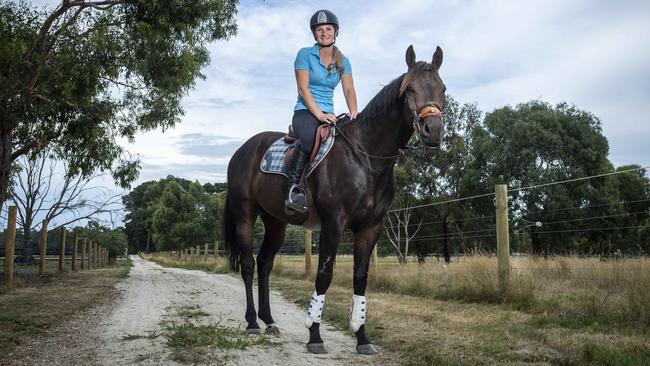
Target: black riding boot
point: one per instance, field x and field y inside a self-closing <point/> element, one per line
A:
<point x="296" y="199"/>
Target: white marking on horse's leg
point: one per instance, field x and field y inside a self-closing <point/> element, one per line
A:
<point x="315" y="309"/>
<point x="358" y="317"/>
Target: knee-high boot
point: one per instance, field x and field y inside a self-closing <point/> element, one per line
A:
<point x="296" y="199"/>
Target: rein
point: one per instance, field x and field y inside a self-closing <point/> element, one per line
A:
<point x="338" y="129"/>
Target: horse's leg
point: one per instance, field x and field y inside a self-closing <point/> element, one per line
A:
<point x="244" y="232"/>
<point x="273" y="239"/>
<point x="330" y="235"/>
<point x="364" y="243"/>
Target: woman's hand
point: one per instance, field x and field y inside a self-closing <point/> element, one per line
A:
<point x="326" y="118"/>
<point x="352" y="115"/>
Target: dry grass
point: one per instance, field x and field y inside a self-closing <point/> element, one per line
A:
<point x="617" y="290"/>
<point x="567" y="311"/>
<point x="212" y="264"/>
<point x="559" y="311"/>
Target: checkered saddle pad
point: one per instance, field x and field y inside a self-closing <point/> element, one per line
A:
<point x="273" y="160"/>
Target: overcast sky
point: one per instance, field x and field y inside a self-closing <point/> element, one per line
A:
<point x="593" y="54"/>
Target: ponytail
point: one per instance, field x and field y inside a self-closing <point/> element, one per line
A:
<point x="337" y="61"/>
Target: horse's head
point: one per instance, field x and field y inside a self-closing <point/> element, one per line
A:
<point x="424" y="94"/>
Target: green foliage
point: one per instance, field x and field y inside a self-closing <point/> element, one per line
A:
<point x="80" y="77"/>
<point x="172" y="213"/>
<point x="115" y="240"/>
<point x="529" y="145"/>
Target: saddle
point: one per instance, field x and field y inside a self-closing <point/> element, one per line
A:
<point x="278" y="154"/>
<point x="322" y="132"/>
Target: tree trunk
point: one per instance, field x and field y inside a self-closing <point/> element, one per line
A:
<point x="535" y="243"/>
<point x="5" y="164"/>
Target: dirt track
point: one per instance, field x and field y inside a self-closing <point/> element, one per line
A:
<point x="152" y="295"/>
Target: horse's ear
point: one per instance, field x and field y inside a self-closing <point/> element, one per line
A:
<point x="410" y="56"/>
<point x="437" y="57"/>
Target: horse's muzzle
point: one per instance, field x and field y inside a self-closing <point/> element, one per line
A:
<point x="431" y="132"/>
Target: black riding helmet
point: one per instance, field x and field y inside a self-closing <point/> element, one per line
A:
<point x="324" y="16"/>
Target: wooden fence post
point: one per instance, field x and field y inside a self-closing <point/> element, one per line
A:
<point x="216" y="250"/>
<point x="307" y="252"/>
<point x="90" y="252"/>
<point x="42" y="245"/>
<point x="503" y="239"/>
<point x="62" y="254"/>
<point x="205" y="253"/>
<point x="75" y="237"/>
<point x="10" y="241"/>
<point x="95" y="246"/>
<point x="83" y="253"/>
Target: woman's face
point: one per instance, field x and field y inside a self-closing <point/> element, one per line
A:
<point x="324" y="34"/>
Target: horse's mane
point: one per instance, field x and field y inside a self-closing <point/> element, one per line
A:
<point x="382" y="103"/>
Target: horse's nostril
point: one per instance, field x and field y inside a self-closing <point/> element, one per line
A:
<point x="426" y="129"/>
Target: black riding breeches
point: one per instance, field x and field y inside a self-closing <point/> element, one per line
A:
<point x="304" y="127"/>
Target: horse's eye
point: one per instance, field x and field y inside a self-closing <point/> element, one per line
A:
<point x="410" y="90"/>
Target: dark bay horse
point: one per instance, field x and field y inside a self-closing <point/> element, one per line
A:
<point x="352" y="189"/>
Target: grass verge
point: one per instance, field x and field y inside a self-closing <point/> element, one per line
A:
<point x="43" y="302"/>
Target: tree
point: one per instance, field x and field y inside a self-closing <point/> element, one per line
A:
<point x="399" y="229"/>
<point x="180" y="220"/>
<point x="441" y="176"/>
<point x="112" y="239"/>
<point x="40" y="194"/>
<point x="536" y="143"/>
<point x="81" y="76"/>
<point x="172" y="213"/>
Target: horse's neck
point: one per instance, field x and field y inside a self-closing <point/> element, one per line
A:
<point x="384" y="134"/>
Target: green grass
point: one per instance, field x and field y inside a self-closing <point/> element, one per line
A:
<point x="190" y="312"/>
<point x="190" y="335"/>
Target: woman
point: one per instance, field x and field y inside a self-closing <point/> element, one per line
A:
<point x="319" y="69"/>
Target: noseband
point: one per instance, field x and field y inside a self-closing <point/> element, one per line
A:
<point x="426" y="111"/>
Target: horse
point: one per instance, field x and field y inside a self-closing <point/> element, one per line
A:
<point x="352" y="188"/>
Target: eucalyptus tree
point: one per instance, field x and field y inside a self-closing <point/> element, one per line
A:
<point x="82" y="75"/>
<point x="533" y="144"/>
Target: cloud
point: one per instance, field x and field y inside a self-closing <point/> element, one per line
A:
<point x="209" y="146"/>
<point x="495" y="53"/>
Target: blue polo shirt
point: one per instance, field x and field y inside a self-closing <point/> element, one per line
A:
<point x="321" y="85"/>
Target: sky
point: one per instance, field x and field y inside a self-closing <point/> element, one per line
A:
<point x="593" y="54"/>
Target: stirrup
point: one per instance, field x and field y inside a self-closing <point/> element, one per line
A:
<point x="293" y="205"/>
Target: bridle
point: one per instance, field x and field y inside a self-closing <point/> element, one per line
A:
<point x="426" y="111"/>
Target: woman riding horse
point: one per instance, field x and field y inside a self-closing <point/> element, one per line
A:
<point x="318" y="69"/>
<point x="351" y="189"/>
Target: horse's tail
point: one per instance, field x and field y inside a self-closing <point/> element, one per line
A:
<point x="230" y="236"/>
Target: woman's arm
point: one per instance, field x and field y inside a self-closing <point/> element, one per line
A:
<point x="302" y="79"/>
<point x="350" y="94"/>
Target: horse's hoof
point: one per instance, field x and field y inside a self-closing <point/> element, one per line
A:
<point x="366" y="349"/>
<point x="254" y="331"/>
<point x="317" y="348"/>
<point x="273" y="329"/>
